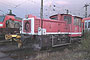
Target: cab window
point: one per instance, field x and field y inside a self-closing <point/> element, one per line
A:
<point x="77" y="21"/>
<point x="68" y="19"/>
<point x="2" y="18"/>
<point x="54" y="17"/>
<point x="85" y="24"/>
<point x="18" y="18"/>
<point x="88" y="24"/>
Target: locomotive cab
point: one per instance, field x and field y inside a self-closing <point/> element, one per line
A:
<point x="62" y="17"/>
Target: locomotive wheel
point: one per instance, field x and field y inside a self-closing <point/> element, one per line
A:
<point x="38" y="43"/>
<point x="43" y="42"/>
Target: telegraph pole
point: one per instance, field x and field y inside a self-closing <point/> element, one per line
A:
<point x="86" y="5"/>
<point x="41" y="14"/>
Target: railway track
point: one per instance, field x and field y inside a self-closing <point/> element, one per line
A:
<point x="11" y="50"/>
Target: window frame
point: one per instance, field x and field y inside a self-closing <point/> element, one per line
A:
<point x="77" y="21"/>
<point x="68" y="19"/>
<point x="2" y="18"/>
<point x="54" y="17"/>
<point x="88" y="24"/>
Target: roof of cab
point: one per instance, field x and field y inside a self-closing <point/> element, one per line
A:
<point x="59" y="14"/>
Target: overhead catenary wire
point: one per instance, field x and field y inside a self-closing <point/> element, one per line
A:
<point x="16" y="6"/>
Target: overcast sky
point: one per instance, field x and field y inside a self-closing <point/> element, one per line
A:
<point x="24" y="7"/>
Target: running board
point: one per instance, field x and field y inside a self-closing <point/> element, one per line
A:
<point x="61" y="45"/>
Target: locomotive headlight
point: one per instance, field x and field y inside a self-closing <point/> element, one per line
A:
<point x="1" y="24"/>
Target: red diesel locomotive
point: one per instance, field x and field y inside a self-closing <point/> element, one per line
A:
<point x="60" y="29"/>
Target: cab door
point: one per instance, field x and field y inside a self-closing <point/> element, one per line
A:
<point x="68" y="20"/>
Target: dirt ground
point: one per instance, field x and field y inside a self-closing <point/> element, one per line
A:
<point x="70" y="52"/>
